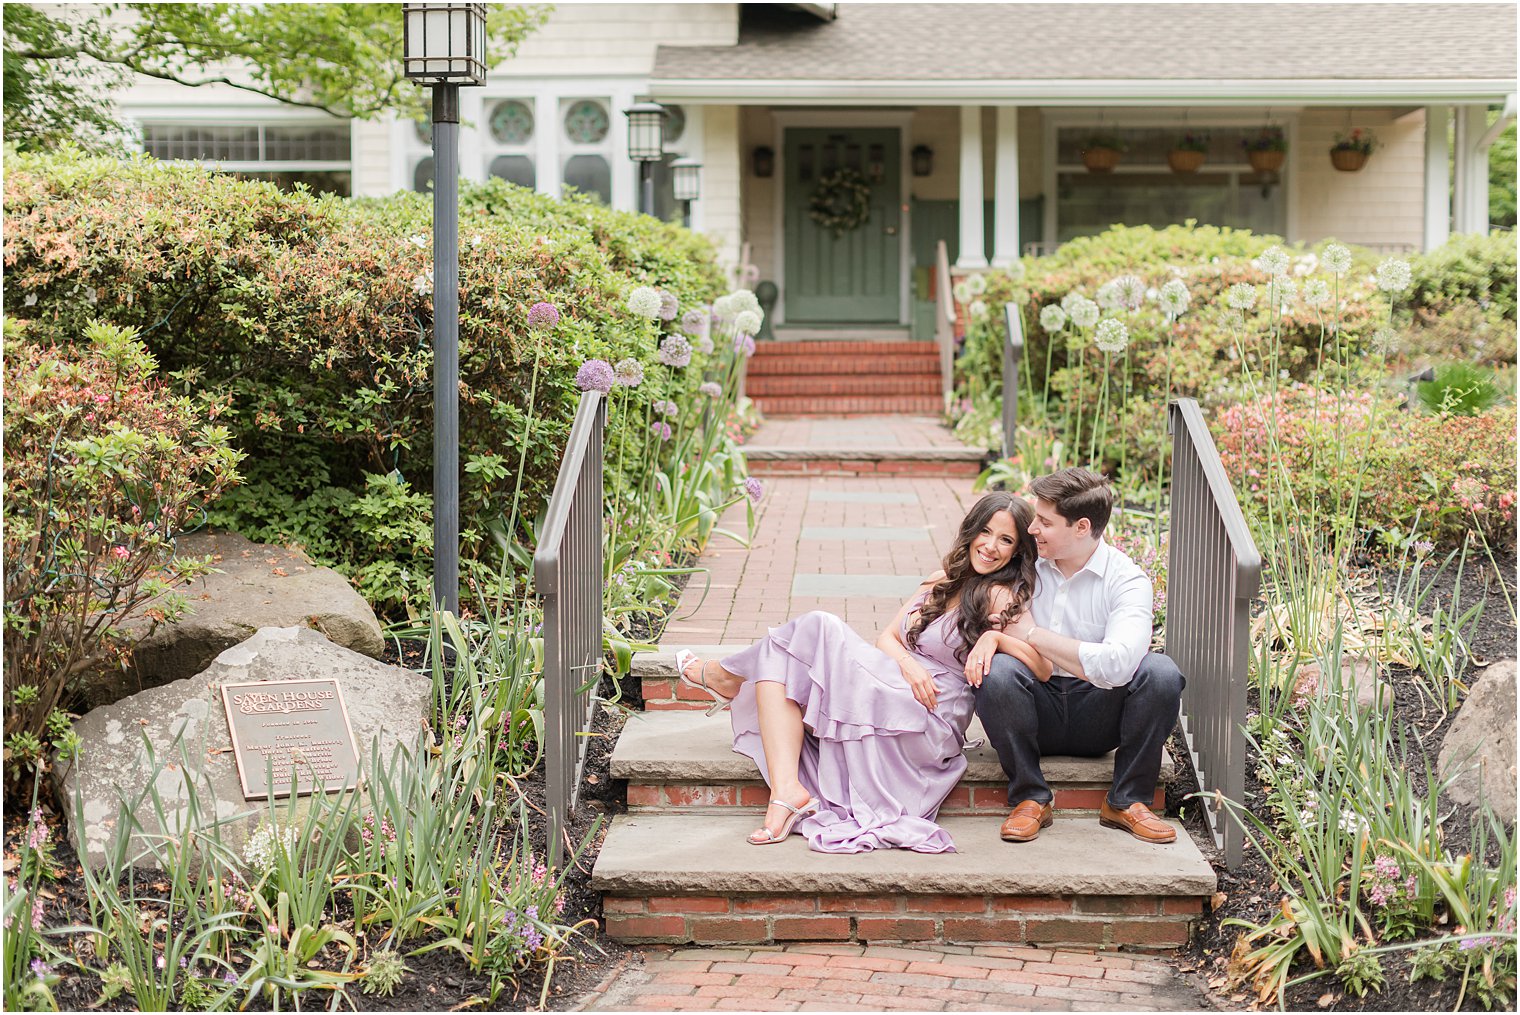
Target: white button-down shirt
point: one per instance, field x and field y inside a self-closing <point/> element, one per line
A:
<point x="1107" y="606"/>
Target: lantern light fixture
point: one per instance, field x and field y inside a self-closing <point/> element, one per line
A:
<point x="646" y="131"/>
<point x="444" y="43"/>
<point x="922" y="158"/>
<point x="763" y="162"/>
<point x="686" y="179"/>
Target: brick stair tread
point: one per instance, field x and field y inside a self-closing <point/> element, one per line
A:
<point x="846" y="405"/>
<point x="803" y="366"/>
<point x="688" y="746"/>
<point x="773" y="386"/>
<point x="844" y="347"/>
<point x="674" y="854"/>
<point x="757" y="453"/>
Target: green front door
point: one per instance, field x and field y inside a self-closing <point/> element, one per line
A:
<point x="853" y="275"/>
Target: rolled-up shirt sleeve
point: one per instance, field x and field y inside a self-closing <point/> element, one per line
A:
<point x="1113" y="661"/>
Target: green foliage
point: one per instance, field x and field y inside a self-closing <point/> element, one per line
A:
<point x="384" y="973"/>
<point x="1466" y="269"/>
<point x="343" y="59"/>
<point x="1501" y="180"/>
<point x="1459" y="389"/>
<point x="104" y="467"/>
<point x="307" y="320"/>
<point x="1361" y="971"/>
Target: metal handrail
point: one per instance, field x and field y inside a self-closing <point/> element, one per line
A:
<point x="944" y="321"/>
<point x="1013" y="356"/>
<point x="567" y="573"/>
<point x="1213" y="576"/>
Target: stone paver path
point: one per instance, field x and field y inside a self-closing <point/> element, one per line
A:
<point x="844" y="977"/>
<point x="823" y="433"/>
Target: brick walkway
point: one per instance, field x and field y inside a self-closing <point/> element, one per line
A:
<point x="840" y="977"/>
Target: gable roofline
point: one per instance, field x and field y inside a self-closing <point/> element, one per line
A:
<point x="1086" y="92"/>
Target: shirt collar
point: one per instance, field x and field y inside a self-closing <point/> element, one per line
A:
<point x="1097" y="563"/>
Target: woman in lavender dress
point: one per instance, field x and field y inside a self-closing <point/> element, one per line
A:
<point x="861" y="743"/>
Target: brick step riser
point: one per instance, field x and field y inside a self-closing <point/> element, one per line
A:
<point x="849" y="405"/>
<point x="891" y="384"/>
<point x="969" y="799"/>
<point x="783" y="350"/>
<point x="835" y="467"/>
<point x="804" y="366"/>
<point x="1093" y="921"/>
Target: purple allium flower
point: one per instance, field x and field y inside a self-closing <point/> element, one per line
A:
<point x="664" y="408"/>
<point x="694" y="320"/>
<point x="669" y="305"/>
<point x="543" y="315"/>
<point x="1424" y="547"/>
<point x="744" y="345"/>
<point x="629" y="373"/>
<point x="660" y="430"/>
<point x="705" y="345"/>
<point x="712" y="389"/>
<point x="675" y="351"/>
<point x="594" y="375"/>
<point x="754" y="489"/>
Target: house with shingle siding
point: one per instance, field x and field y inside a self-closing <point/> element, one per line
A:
<point x="967" y="121"/>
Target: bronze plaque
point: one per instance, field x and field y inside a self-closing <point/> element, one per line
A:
<point x="299" y="726"/>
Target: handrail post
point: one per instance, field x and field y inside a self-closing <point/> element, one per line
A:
<point x="944" y="322"/>
<point x="1013" y="355"/>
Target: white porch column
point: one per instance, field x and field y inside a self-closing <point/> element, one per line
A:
<point x="546" y="128"/>
<point x="973" y="245"/>
<point x="1471" y="215"/>
<point x="1005" y="189"/>
<point x="625" y="174"/>
<point x="1437" y="176"/>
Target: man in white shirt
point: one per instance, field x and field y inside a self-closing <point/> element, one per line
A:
<point x="1091" y="616"/>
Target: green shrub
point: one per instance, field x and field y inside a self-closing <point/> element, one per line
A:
<point x="309" y="319"/>
<point x="103" y="469"/>
<point x="1466" y="269"/>
<point x="1459" y="389"/>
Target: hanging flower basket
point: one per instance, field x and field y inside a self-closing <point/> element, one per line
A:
<point x="1348" y="160"/>
<point x="1100" y="158"/>
<point x="841" y="201"/>
<point x="1351" y="151"/>
<point x="1267" y="160"/>
<point x="1185" y="160"/>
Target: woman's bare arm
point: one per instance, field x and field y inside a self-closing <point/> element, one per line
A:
<point x="890" y="641"/>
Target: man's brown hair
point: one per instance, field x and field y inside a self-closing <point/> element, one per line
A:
<point x="1077" y="493"/>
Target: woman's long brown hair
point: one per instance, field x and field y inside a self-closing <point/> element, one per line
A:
<point x="975" y="590"/>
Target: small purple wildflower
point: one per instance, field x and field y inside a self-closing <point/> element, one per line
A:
<point x="675" y="351"/>
<point x="669" y="305"/>
<point x="1424" y="548"/>
<point x="37" y="830"/>
<point x="754" y="489"/>
<point x="160" y="962"/>
<point x="229" y="977"/>
<point x="543" y="315"/>
<point x="693" y="322"/>
<point x="40" y="969"/>
<point x="712" y="389"/>
<point x="594" y="375"/>
<point x="660" y="430"/>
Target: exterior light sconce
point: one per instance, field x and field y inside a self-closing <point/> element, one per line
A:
<point x="646" y="145"/>
<point x="686" y="182"/>
<point x="763" y="161"/>
<point x="922" y="158"/>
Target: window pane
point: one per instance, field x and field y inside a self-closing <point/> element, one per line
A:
<point x="512" y="122"/>
<point x="586" y="122"/>
<point x="516" y="169"/>
<point x="589" y="174"/>
<point x="306" y="144"/>
<point x="208" y="143"/>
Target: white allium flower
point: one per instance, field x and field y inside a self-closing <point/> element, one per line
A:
<point x="1111" y="336"/>
<point x="628" y="373"/>
<point x="1385" y="341"/>
<point x="31" y="299"/>
<point x="1107" y="296"/>
<point x="1281" y="291"/>
<point x="1131" y="291"/>
<point x="977" y="284"/>
<point x="1016" y="270"/>
<point x="1316" y="292"/>
<point x="260" y="851"/>
<point x="747" y="300"/>
<point x="1070" y="300"/>
<point x="748" y="321"/>
<point x="675" y="351"/>
<point x="1052" y="318"/>
<point x="1393" y="275"/>
<point x="1084" y="312"/>
<point x="1305" y="265"/>
<point x="1174" y="298"/>
<point x="725" y="307"/>
<point x="645" y="302"/>
<point x="1240" y="296"/>
<point x="423" y="284"/>
<point x="1273" y="261"/>
<point x="962" y="292"/>
<point x="712" y="389"/>
<point x="978" y="308"/>
<point x="1336" y="259"/>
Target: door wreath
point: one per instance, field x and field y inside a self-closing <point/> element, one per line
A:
<point x="841" y="201"/>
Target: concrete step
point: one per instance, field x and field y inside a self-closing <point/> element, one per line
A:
<point x="774" y="385"/>
<point x="790" y="334"/>
<point x="863" y="461"/>
<point x="807" y="364"/>
<point x="676" y="878"/>
<point x="850" y="405"/>
<point x="683" y="760"/>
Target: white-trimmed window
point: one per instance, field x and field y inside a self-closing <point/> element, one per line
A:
<point x="586" y="146"/>
<point x="509" y="141"/>
<point x="320" y="155"/>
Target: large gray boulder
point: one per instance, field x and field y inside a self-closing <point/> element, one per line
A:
<point x="1481" y="743"/>
<point x="255" y="585"/>
<point x="191" y="766"/>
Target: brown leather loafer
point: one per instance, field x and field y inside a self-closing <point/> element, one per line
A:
<point x="1137" y="820"/>
<point x="1025" y="821"/>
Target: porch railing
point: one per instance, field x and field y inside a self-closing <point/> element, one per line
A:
<point x="944" y="321"/>
<point x="1013" y="358"/>
<point x="567" y="573"/>
<point x="1213" y="575"/>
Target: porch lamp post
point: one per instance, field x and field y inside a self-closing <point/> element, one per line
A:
<point x="444" y="47"/>
<point x="646" y="146"/>
<point x="686" y="177"/>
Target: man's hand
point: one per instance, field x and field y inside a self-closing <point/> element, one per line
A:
<point x="919" y="682"/>
<point x="979" y="659"/>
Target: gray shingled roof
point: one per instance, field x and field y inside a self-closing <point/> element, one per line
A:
<point x="1033" y="42"/>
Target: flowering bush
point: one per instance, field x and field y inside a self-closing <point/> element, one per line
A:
<point x="103" y="468"/>
<point x="308" y="320"/>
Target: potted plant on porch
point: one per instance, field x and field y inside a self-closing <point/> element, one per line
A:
<point x="1351" y="151"/>
<point x="1267" y="150"/>
<point x="1190" y="152"/>
<point x="1101" y="153"/>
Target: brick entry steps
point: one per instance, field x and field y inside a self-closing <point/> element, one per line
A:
<point x="844" y="378"/>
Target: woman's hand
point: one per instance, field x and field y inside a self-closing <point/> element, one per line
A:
<point x="979" y="659"/>
<point x="919" y="682"/>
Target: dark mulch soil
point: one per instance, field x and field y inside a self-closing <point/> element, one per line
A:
<point x="1251" y="892"/>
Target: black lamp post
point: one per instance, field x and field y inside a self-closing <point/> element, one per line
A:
<point x="646" y="145"/>
<point x="444" y="48"/>
<point x="686" y="178"/>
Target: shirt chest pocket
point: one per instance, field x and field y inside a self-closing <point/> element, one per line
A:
<point x="1088" y="628"/>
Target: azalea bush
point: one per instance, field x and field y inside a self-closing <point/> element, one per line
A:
<point x="104" y="467"/>
<point x="308" y="319"/>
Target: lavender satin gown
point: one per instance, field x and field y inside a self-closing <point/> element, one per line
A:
<point x="879" y="763"/>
